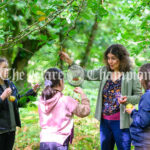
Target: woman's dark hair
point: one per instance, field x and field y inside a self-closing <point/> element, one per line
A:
<point x="145" y="72"/>
<point x="121" y="53"/>
<point x="52" y="79"/>
<point x="2" y="59"/>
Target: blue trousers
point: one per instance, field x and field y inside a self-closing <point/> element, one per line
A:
<point x="110" y="133"/>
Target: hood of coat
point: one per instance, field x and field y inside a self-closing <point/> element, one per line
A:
<point x="47" y="106"/>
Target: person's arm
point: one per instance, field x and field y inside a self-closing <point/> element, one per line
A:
<point x="137" y="93"/>
<point x="7" y="92"/>
<point x="90" y="75"/>
<point x="95" y="74"/>
<point x="83" y="109"/>
<point x="65" y="57"/>
<point x="136" y="90"/>
<point x="1" y="101"/>
<point x="141" y="118"/>
<point x="31" y="92"/>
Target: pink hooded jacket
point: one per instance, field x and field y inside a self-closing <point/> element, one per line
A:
<point x="56" y="118"/>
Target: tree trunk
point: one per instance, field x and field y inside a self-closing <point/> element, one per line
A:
<point x="62" y="46"/>
<point x="21" y="61"/>
<point x="90" y="43"/>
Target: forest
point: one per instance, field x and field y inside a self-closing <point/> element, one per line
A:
<point x="34" y="32"/>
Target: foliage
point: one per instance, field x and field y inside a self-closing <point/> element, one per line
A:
<point x="33" y="32"/>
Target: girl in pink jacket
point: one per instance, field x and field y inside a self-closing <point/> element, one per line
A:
<point x="56" y="112"/>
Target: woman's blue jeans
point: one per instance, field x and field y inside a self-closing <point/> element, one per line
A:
<point x="110" y="133"/>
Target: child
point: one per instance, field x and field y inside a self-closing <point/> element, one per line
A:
<point x="56" y="112"/>
<point x="9" y="114"/>
<point x="140" y="127"/>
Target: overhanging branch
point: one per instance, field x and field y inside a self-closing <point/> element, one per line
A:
<point x="11" y="43"/>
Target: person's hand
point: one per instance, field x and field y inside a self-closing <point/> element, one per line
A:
<point x="78" y="90"/>
<point x="122" y="99"/>
<point x="65" y="57"/>
<point x="36" y="87"/>
<point x="7" y="92"/>
<point x="129" y="110"/>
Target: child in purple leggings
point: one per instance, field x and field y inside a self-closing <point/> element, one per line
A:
<point x="56" y="112"/>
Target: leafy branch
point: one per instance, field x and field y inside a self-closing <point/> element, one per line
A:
<point x="74" y="23"/>
<point x="19" y="37"/>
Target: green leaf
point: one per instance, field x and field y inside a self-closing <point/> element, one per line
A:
<point x="102" y="12"/>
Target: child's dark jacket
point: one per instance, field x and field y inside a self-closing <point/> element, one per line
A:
<point x="140" y="127"/>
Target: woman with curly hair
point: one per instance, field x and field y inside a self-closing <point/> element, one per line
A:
<point x="119" y="85"/>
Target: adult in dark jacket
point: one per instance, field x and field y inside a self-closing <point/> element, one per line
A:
<point x="140" y="127"/>
<point x="9" y="113"/>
